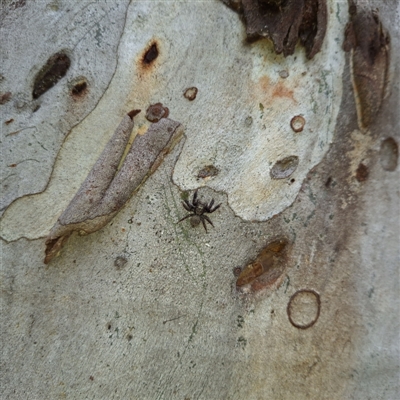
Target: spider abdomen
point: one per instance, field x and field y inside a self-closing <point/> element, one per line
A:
<point x="195" y="220"/>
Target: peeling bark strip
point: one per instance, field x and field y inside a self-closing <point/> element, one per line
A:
<point x="106" y="190"/>
<point x="368" y="43"/>
<point x="285" y="22"/>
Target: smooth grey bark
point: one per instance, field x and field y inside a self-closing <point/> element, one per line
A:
<point x="147" y="308"/>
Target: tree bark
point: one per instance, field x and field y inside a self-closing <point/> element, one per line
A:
<point x="293" y="290"/>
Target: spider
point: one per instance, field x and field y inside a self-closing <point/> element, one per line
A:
<point x="197" y="209"/>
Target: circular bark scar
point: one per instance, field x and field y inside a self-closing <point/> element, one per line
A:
<point x="190" y="93"/>
<point x="297" y="123"/>
<point x="304" y="308"/>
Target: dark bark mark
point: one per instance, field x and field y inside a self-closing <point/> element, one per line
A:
<point x="55" y="68"/>
<point x="285" y="22"/>
<point x="151" y="54"/>
<point x="362" y="172"/>
<point x="156" y="111"/>
<point x="5" y="97"/>
<point x="79" y="88"/>
<point x="266" y="268"/>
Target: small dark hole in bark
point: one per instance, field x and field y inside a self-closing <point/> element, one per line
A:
<point x="362" y="173"/>
<point x="328" y="182"/>
<point x="151" y="54"/>
<point x="79" y="88"/>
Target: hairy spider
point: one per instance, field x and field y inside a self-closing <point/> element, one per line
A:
<point x="197" y="209"/>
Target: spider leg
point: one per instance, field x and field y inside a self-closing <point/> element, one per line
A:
<point x="187" y="216"/>
<point x="194" y="201"/>
<point x="207" y="219"/>
<point x="215" y="208"/>
<point x="204" y="224"/>
<point x="209" y="206"/>
<point x="187" y="205"/>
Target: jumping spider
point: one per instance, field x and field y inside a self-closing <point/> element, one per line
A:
<point x="197" y="209"/>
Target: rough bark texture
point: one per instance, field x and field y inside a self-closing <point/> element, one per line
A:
<point x="292" y="294"/>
